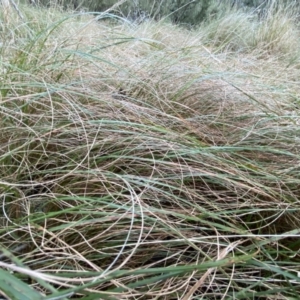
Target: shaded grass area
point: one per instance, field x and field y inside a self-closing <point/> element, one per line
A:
<point x="147" y="162"/>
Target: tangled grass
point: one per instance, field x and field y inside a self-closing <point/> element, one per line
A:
<point x="146" y="162"/>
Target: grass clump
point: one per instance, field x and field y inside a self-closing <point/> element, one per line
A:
<point x="273" y="30"/>
<point x="146" y="162"/>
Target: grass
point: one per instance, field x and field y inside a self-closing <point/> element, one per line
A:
<point x="149" y="161"/>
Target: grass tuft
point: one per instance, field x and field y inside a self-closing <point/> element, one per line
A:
<point x="149" y="161"/>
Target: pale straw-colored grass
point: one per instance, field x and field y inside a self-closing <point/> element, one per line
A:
<point x="146" y="162"/>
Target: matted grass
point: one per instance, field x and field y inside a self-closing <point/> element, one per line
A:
<point x="147" y="162"/>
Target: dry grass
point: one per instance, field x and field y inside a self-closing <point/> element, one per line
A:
<point x="147" y="162"/>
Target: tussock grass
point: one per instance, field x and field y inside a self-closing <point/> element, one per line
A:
<point x="273" y="30"/>
<point x="146" y="162"/>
